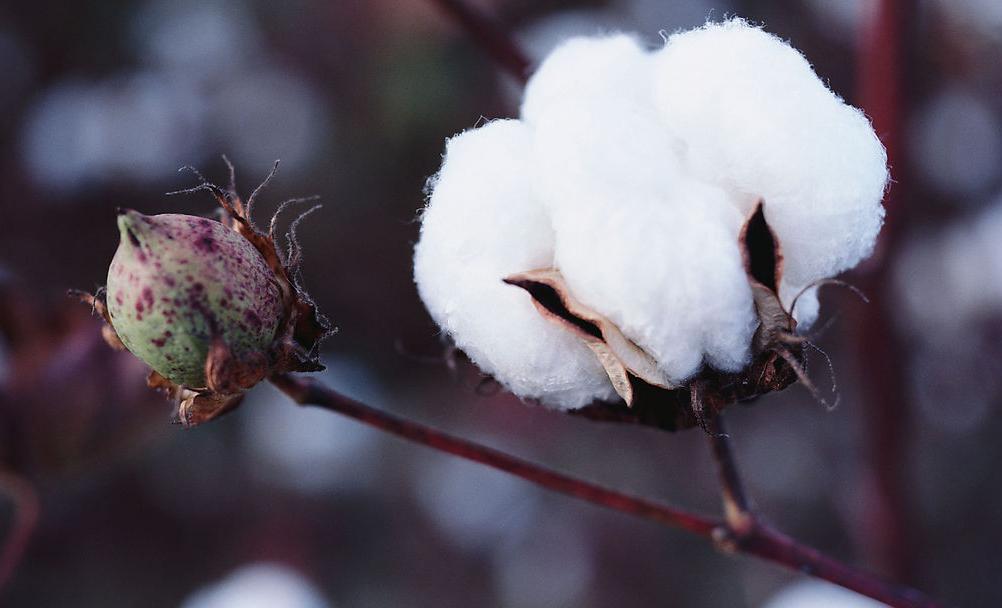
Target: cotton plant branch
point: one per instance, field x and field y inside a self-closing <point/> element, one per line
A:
<point x="307" y="391"/>
<point x="880" y="72"/>
<point x="489" y="35"/>
<point x="745" y="532"/>
<point x="22" y="495"/>
<point x="227" y="374"/>
<point x="740" y="531"/>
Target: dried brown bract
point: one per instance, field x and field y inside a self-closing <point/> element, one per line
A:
<point x="648" y="396"/>
<point x="196" y="320"/>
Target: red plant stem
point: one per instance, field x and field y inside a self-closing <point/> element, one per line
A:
<point x="737" y="506"/>
<point x="20" y="492"/>
<point x="307" y="391"/>
<point x="885" y="524"/>
<point x="490" y="35"/>
<point x="755" y="539"/>
<point x="745" y="532"/>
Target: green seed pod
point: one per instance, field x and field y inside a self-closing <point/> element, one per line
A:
<point x="179" y="282"/>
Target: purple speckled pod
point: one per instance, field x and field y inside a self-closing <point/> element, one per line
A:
<point x="177" y="282"/>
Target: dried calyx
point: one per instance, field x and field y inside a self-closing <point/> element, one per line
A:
<point x="647" y="395"/>
<point x="212" y="306"/>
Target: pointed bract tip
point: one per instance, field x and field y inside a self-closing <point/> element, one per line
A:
<point x="131" y="224"/>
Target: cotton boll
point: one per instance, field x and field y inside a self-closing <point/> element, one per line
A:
<point x="756" y="119"/>
<point x="632" y="173"/>
<point x="483" y="223"/>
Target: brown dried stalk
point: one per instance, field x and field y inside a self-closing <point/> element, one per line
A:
<point x="741" y="531"/>
<point x="308" y="391"/>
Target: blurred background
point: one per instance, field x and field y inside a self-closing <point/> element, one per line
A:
<point x="274" y="505"/>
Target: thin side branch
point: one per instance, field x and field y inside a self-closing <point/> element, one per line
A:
<point x="755" y="538"/>
<point x="745" y="532"/>
<point x="737" y="507"/>
<point x="307" y="391"/>
<point x="22" y="495"/>
<point x="490" y="36"/>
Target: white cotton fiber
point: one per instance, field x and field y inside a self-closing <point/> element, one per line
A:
<point x="669" y="274"/>
<point x="651" y="249"/>
<point x="756" y="119"/>
<point x="632" y="172"/>
<point x="594" y="124"/>
<point x="482" y="224"/>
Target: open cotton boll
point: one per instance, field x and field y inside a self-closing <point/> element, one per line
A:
<point x="756" y="119"/>
<point x="483" y="223"/>
<point x="631" y="175"/>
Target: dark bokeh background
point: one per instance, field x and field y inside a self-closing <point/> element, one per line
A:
<point x="101" y="102"/>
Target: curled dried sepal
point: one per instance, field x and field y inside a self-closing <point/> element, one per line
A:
<point x="193" y="407"/>
<point x="303" y="326"/>
<point x="776" y="336"/>
<point x="99" y="306"/>
<point x="622" y="359"/>
<point x="228" y="374"/>
<point x="648" y="396"/>
<point x="763" y="260"/>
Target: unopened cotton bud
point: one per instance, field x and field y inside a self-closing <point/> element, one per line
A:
<point x="177" y="282"/>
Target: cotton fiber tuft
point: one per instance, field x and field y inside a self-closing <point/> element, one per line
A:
<point x="483" y="223"/>
<point x="632" y="172"/>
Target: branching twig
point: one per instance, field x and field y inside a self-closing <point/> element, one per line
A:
<point x="25" y="501"/>
<point x="307" y="391"/>
<point x="737" y="507"/>
<point x="741" y="532"/>
<point x="487" y="33"/>
<point x="744" y="532"/>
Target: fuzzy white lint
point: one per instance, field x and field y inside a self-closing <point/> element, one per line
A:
<point x="632" y="171"/>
